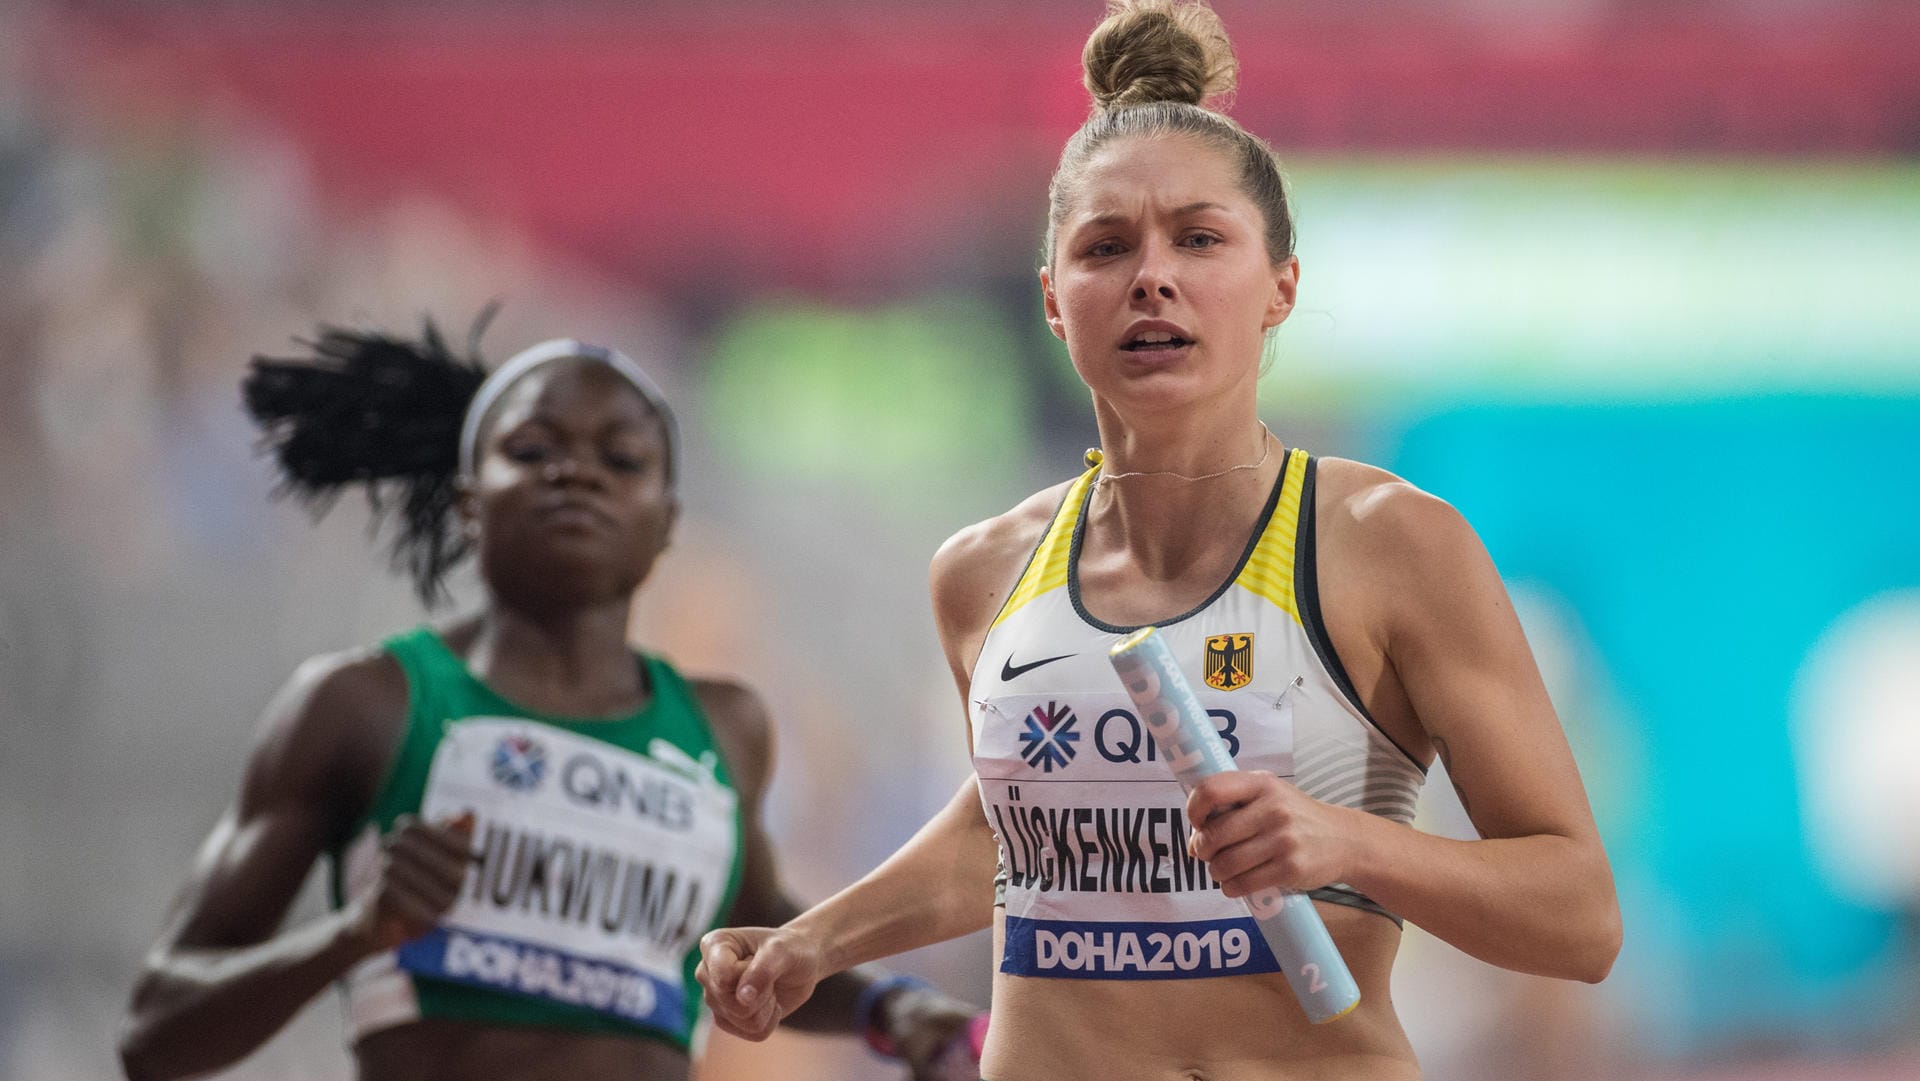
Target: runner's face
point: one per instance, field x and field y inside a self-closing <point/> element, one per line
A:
<point x="571" y="497"/>
<point x="1160" y="282"/>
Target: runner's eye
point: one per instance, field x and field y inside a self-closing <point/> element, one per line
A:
<point x="623" y="462"/>
<point x="527" y="452"/>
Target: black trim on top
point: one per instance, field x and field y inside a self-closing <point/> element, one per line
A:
<point x="1352" y="898"/>
<point x="1306" y="597"/>
<point x="1253" y="542"/>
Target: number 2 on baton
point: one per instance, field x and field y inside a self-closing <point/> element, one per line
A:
<point x="1194" y="751"/>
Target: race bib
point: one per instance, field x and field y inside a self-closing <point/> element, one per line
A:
<point x="596" y="869"/>
<point x="1093" y="832"/>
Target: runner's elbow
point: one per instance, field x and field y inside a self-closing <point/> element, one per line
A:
<point x="137" y="1067"/>
<point x="138" y="1058"/>
<point x="1607" y="939"/>
<point x="1581" y="944"/>
<point x="1589" y="958"/>
<point x="1590" y="922"/>
<point x="144" y="1035"/>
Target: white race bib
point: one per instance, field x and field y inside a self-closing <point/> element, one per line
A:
<point x="596" y="869"/>
<point x="1093" y="830"/>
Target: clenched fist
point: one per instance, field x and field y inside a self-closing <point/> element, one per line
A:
<point x="422" y="867"/>
<point x="755" y="976"/>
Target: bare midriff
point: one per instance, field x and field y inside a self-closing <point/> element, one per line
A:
<point x="437" y="1050"/>
<point x="1233" y="1028"/>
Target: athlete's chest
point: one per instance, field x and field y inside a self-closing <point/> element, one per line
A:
<point x="1047" y="704"/>
<point x="1115" y="593"/>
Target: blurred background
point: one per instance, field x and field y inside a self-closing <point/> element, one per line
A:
<point x="1628" y="281"/>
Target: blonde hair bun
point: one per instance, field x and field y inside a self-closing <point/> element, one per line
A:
<point x="1158" y="50"/>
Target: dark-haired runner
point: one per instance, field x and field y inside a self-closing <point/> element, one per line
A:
<point x="529" y="824"/>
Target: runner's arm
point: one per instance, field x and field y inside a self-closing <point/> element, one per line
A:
<point x="220" y="981"/>
<point x="746" y="731"/>
<point x="1536" y="893"/>
<point x="937" y="886"/>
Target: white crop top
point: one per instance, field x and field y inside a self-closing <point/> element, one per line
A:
<point x="1096" y="879"/>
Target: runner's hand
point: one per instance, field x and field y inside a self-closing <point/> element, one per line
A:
<point x="755" y="976"/>
<point x="1256" y="832"/>
<point x="422" y="869"/>
<point x="931" y="1032"/>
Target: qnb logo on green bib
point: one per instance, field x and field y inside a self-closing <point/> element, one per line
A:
<point x="603" y="782"/>
<point x="596" y="868"/>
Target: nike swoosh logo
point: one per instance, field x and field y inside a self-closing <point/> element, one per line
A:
<point x="1008" y="673"/>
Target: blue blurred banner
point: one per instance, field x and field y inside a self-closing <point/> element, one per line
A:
<point x="1704" y="547"/>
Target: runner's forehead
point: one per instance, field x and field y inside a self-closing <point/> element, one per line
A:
<point x="577" y="391"/>
<point x="592" y="399"/>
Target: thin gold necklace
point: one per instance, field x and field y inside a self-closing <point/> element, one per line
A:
<point x="1266" y="450"/>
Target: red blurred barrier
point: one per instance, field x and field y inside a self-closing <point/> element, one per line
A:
<point x="794" y="145"/>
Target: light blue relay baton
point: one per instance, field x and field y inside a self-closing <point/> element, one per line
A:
<point x="1194" y="751"/>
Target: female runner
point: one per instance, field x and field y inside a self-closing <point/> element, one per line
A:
<point x="529" y="824"/>
<point x="1342" y="627"/>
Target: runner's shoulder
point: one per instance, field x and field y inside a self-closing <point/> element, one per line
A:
<point x="1389" y="522"/>
<point x="741" y="725"/>
<point x="363" y="681"/>
<point x="331" y="727"/>
<point x="976" y="567"/>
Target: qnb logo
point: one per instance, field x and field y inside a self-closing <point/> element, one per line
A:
<point x="1049" y="736"/>
<point x="606" y="786"/>
<point x="518" y="763"/>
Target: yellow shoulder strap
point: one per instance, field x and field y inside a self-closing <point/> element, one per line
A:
<point x="1269" y="570"/>
<point x="1048" y="567"/>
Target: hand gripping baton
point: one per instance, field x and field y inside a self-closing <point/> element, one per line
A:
<point x="1194" y="751"/>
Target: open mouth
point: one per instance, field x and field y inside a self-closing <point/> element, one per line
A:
<point x="1155" y="341"/>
